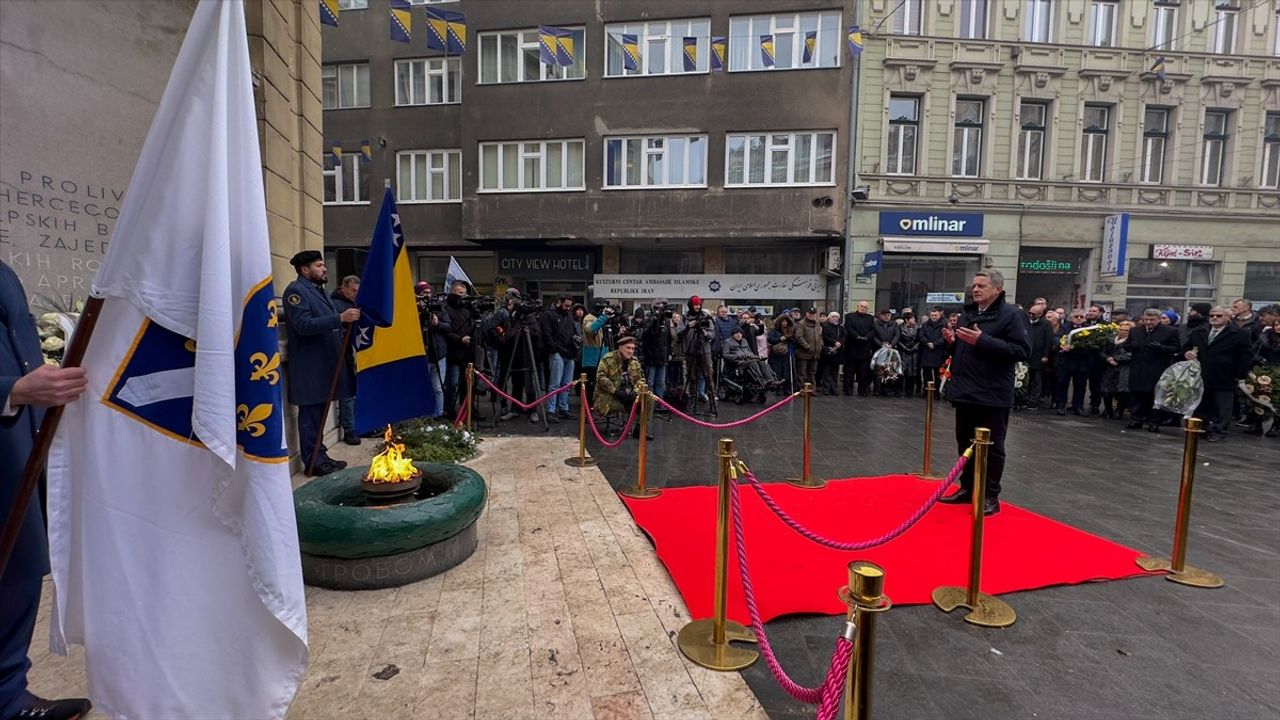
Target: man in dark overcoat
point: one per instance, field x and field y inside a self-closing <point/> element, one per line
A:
<point x="27" y="387"/>
<point x="860" y="344"/>
<point x="1225" y="354"/>
<point x="313" y="327"/>
<point x="1154" y="347"/>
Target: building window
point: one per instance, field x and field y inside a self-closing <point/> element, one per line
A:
<point x="515" y="56"/>
<point x="660" y="261"/>
<point x="345" y="86"/>
<point x="1262" y="283"/>
<point x="1034" y="116"/>
<point x="353" y="4"/>
<point x="1271" y="151"/>
<point x="1039" y="21"/>
<point x="1215" y="147"/>
<point x="429" y="176"/>
<point x="904" y="128"/>
<point x="907" y="17"/>
<point x="1277" y="24"/>
<point x="661" y="46"/>
<point x="1102" y="23"/>
<point x="1164" y="24"/>
<point x="966" y="151"/>
<point x="1093" y="143"/>
<point x="435" y="81"/>
<point x="655" y="161"/>
<point x="1169" y="283"/>
<point x="534" y="166"/>
<point x="346" y="183"/>
<point x="780" y="159"/>
<point x="1223" y="27"/>
<point x="973" y="19"/>
<point x="1155" y="138"/>
<point x="789" y="32"/>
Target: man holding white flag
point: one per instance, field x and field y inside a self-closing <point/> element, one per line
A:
<point x="172" y="535"/>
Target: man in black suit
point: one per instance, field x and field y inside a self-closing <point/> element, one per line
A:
<point x="27" y="387"/>
<point x="860" y="343"/>
<point x="1225" y="353"/>
<point x="1154" y="347"/>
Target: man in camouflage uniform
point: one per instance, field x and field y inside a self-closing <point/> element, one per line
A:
<point x="616" y="379"/>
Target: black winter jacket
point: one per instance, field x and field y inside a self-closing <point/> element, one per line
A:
<point x="931" y="332"/>
<point x="982" y="373"/>
<point x="558" y="332"/>
<point x="1224" y="361"/>
<point x="862" y="330"/>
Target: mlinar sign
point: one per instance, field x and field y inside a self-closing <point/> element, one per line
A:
<point x="931" y="224"/>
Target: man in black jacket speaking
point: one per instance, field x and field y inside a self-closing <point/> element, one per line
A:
<point x="991" y="338"/>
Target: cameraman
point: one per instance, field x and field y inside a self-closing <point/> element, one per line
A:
<point x="561" y="339"/>
<point x="698" y="342"/>
<point x="657" y="336"/>
<point x="433" y="341"/>
<point x="457" y="323"/>
<point x="593" y="346"/>
<point x="524" y="351"/>
<point x="497" y="333"/>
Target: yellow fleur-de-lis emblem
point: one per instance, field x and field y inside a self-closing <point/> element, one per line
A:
<point x="251" y="421"/>
<point x="189" y="345"/>
<point x="265" y="368"/>
<point x="273" y="306"/>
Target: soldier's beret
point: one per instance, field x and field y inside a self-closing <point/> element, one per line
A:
<point x="306" y="257"/>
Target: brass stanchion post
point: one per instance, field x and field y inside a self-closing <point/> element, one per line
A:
<point x="865" y="598"/>
<point x="806" y="480"/>
<point x="985" y="610"/>
<point x="640" y="491"/>
<point x="925" y="473"/>
<point x="1179" y="571"/>
<point x="582" y="459"/>
<point x="471" y="388"/>
<point x="706" y="641"/>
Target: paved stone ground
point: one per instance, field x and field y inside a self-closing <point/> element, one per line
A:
<point x="1142" y="648"/>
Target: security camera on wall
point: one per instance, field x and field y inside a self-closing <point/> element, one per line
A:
<point x="860" y="193"/>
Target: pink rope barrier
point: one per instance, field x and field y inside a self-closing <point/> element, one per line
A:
<point x="829" y="692"/>
<point x="517" y="403"/>
<point x="591" y="420"/>
<point x="864" y="544"/>
<point x="725" y="426"/>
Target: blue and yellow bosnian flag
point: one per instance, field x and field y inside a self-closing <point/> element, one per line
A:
<point x="690" y="53"/>
<point x="854" y="38"/>
<point x="329" y="12"/>
<point x="555" y="46"/>
<point x="1158" y="67"/>
<point x="366" y="152"/>
<point x="719" y="52"/>
<point x="766" y="50"/>
<point x="446" y="31"/>
<point x="392" y="375"/>
<point x="630" y="52"/>
<point x="401" y="21"/>
<point x="336" y="152"/>
<point x="810" y="40"/>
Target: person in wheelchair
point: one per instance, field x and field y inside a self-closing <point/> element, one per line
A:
<point x="742" y="362"/>
<point x="616" y="381"/>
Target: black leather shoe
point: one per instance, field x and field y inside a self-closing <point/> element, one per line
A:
<point x="1153" y="428"/>
<point x="551" y="418"/>
<point x="960" y="498"/>
<point x="1062" y="411"/>
<point x="339" y="464"/>
<point x="1133" y="425"/>
<point x="324" y="468"/>
<point x="990" y="507"/>
<point x="67" y="709"/>
<point x="351" y="439"/>
<point x="1214" y="437"/>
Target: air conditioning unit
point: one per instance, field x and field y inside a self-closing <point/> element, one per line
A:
<point x="832" y="259"/>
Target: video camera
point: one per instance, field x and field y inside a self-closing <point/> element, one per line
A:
<point x="430" y="303"/>
<point x="526" y="306"/>
<point x="700" y="319"/>
<point x="662" y="310"/>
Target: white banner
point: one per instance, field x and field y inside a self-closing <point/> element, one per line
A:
<point x="929" y="245"/>
<point x="1182" y="252"/>
<point x="724" y="287"/>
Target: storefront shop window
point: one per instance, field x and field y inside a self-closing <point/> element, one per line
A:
<point x="920" y="282"/>
<point x="659" y="261"/>
<point x="1055" y="274"/>
<point x="1262" y="283"/>
<point x="770" y="260"/>
<point x="1170" y="283"/>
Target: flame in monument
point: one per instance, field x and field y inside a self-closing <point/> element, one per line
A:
<point x="390" y="465"/>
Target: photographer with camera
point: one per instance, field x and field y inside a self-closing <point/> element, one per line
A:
<point x="616" y="381"/>
<point x="593" y="343"/>
<point x="561" y="341"/>
<point x="698" y="343"/>
<point x="457" y="323"/>
<point x="433" y="340"/>
<point x="657" y="336"/>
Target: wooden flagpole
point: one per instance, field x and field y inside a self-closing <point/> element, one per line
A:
<point x="333" y="390"/>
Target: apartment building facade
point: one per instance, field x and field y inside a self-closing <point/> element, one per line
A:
<point x="1005" y="133"/>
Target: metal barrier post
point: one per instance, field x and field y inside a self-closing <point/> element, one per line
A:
<point x="866" y="599"/>
<point x="640" y="491"/>
<point x="706" y="641"/>
<point x="471" y="387"/>
<point x="1179" y="571"/>
<point x="806" y="480"/>
<point x="925" y="473"/>
<point x="985" y="610"/>
<point x="582" y="459"/>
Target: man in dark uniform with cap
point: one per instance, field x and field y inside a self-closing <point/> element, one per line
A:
<point x="27" y="387"/>
<point x="313" y="327"/>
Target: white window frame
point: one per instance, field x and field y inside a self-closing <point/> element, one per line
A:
<point x="449" y="69"/>
<point x="449" y="171"/>
<point x="1213" y="174"/>
<point x="351" y="170"/>
<point x="973" y="22"/>
<point x="1150" y="138"/>
<point x="339" y="71"/>
<point x="1164" y="25"/>
<point x="1026" y="131"/>
<point x="772" y="144"/>
<point x="908" y="18"/>
<point x="1103" y="34"/>
<point x="893" y="164"/>
<point x="670" y="35"/>
<point x="1223" y="40"/>
<point x="430" y="2"/>
<point x="792" y="26"/>
<point x="1277" y="29"/>
<point x="1088" y="140"/>
<point x="658" y="146"/>
<point x="967" y="134"/>
<point x="353" y="4"/>
<point x="1271" y="152"/>
<point x="1039" y="15"/>
<point x="540" y="153"/>
<point x="527" y="40"/>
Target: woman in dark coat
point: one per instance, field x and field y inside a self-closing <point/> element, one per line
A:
<point x="1115" y="374"/>
<point x="781" y="347"/>
<point x="909" y="348"/>
<point x="933" y="346"/>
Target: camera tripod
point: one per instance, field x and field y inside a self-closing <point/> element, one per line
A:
<point x="523" y="347"/>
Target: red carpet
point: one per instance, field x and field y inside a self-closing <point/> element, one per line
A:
<point x="1023" y="550"/>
